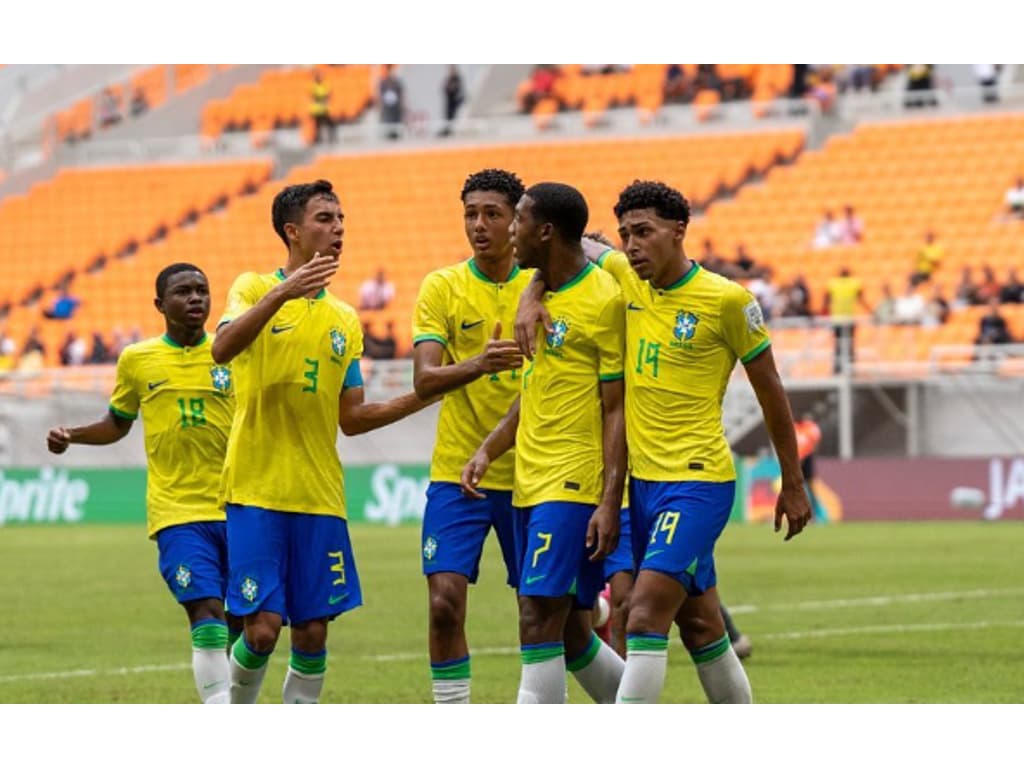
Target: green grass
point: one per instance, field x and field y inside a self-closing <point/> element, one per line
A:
<point x="87" y="618"/>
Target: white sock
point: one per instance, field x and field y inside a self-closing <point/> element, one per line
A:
<point x="300" y="688"/>
<point x="247" y="671"/>
<point x="722" y="674"/>
<point x="212" y="675"/>
<point x="644" y="675"/>
<point x="543" y="674"/>
<point x="599" y="671"/>
<point x="451" y="681"/>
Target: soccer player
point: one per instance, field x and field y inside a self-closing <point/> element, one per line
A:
<point x="568" y="430"/>
<point x="459" y="353"/>
<point x="187" y="403"/>
<point x="296" y="351"/>
<point x="685" y="329"/>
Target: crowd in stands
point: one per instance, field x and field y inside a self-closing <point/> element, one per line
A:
<point x="74" y="350"/>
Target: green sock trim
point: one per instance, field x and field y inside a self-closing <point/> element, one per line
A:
<point x="460" y="670"/>
<point x="210" y="634"/>
<point x="535" y="654"/>
<point x="246" y="657"/>
<point x="308" y="664"/>
<point x="233" y="637"/>
<point x="646" y="643"/>
<point x="710" y="652"/>
<point x="588" y="655"/>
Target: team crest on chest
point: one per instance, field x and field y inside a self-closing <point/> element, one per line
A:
<point x="556" y="339"/>
<point x="338" y="342"/>
<point x="220" y="377"/>
<point x="684" y="328"/>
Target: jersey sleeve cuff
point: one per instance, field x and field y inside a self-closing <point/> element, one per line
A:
<point x="123" y="415"/>
<point x="430" y="337"/>
<point x="611" y="376"/>
<point x="756" y="351"/>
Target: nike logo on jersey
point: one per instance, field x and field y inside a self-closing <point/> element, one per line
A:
<point x="466" y="326"/>
<point x="634" y="307"/>
<point x="532" y="579"/>
<point x="154" y="384"/>
<point x="280" y="328"/>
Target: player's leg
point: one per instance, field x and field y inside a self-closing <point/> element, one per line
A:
<point x="595" y="664"/>
<point x="452" y="541"/>
<point x="322" y="582"/>
<point x="192" y="564"/>
<point x="704" y="634"/>
<point x="256" y="558"/>
<point x="618" y="573"/>
<point x="740" y="642"/>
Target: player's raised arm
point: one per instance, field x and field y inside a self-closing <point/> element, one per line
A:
<point x="431" y="378"/>
<point x="501" y="439"/>
<point x="355" y="416"/>
<point x="107" y="430"/>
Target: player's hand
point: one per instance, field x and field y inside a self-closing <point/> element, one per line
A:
<point x="473" y="473"/>
<point x="603" y="531"/>
<point x="530" y="312"/>
<point x="500" y="354"/>
<point x="796" y="507"/>
<point x="58" y="439"/>
<point x="310" y="277"/>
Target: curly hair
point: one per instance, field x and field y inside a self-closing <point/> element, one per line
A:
<point x="667" y="202"/>
<point x="290" y="203"/>
<point x="495" y="180"/>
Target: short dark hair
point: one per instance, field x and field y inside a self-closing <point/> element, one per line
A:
<point x="169" y="271"/>
<point x="290" y="203"/>
<point x="667" y="202"/>
<point x="560" y="205"/>
<point x="495" y="180"/>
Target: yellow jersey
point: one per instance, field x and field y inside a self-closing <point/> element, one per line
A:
<point x="187" y="403"/>
<point x="559" y="443"/>
<point x="843" y="293"/>
<point x="682" y="343"/>
<point x="282" y="451"/>
<point x="458" y="307"/>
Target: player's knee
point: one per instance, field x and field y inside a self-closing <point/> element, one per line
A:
<point x="697" y="631"/>
<point x="310" y="637"/>
<point x="447" y="610"/>
<point x="261" y="637"/>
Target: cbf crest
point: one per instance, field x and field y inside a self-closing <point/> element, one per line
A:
<point x="337" y="342"/>
<point x="686" y="325"/>
<point x="220" y="377"/>
<point x="555" y="339"/>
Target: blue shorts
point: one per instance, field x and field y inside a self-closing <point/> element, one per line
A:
<point x="194" y="560"/>
<point x="621" y="559"/>
<point x="456" y="526"/>
<point x="296" y="565"/>
<point x="554" y="556"/>
<point x="675" y="527"/>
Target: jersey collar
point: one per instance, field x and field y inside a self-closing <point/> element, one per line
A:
<point x="691" y="273"/>
<point x="579" y="276"/>
<point x="476" y="271"/>
<point x="168" y="340"/>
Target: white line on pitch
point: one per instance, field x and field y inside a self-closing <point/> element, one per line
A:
<point x="95" y="672"/>
<point x="878" y="600"/>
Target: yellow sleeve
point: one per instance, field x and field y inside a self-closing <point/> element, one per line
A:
<point x="743" y="325"/>
<point x="611" y="338"/>
<point x="616" y="264"/>
<point x="241" y="298"/>
<point x="429" y="322"/>
<point x="125" y="399"/>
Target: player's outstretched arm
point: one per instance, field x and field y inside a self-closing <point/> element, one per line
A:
<point x="502" y="438"/>
<point x="107" y="430"/>
<point x="530" y="312"/>
<point x="234" y="337"/>
<point x="431" y="378"/>
<point x="793" y="503"/>
<point x="355" y="416"/>
<point x="603" y="529"/>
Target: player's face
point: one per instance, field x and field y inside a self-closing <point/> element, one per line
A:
<point x="525" y="234"/>
<point x="487" y="216"/>
<point x="653" y="244"/>
<point x="322" y="229"/>
<point x="186" y="301"/>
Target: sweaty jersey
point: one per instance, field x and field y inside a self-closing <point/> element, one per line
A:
<point x="187" y="402"/>
<point x="458" y="307"/>
<point x="282" y="451"/>
<point x="682" y="343"/>
<point x="559" y="443"/>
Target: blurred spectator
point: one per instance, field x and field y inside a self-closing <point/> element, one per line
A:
<point x="885" y="309"/>
<point x="707" y="79"/>
<point x="118" y="341"/>
<point x="966" y="290"/>
<point x="319" y="110"/>
<point x="138" y="104"/>
<point x="541" y="85"/>
<point x="796" y="298"/>
<point x="798" y="87"/>
<point x="72" y="351"/>
<point x="928" y="258"/>
<point x="376" y="292"/>
<point x="33" y="343"/>
<point x="63" y="307"/>
<point x="380" y="347"/>
<point x="993" y="328"/>
<point x="676" y="88"/>
<point x="764" y="291"/>
<point x="936" y="309"/>
<point x="989" y="287"/>
<point x="851" y="229"/>
<point x="100" y="351"/>
<point x="712" y="262"/>
<point x="454" y="95"/>
<point x="920" y="84"/>
<point x="8" y="351"/>
<point x="827" y="232"/>
<point x="744" y="263"/>
<point x="909" y="308"/>
<point x="391" y="96"/>
<point x="109" y="110"/>
<point x="808" y="436"/>
<point x="823" y="90"/>
<point x="1013" y="289"/>
<point x="843" y="295"/>
<point x="857" y="77"/>
<point x="1015" y="198"/>
<point x="988" y="79"/>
